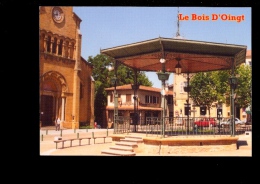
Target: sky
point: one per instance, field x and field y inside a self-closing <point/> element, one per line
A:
<point x="106" y="27"/>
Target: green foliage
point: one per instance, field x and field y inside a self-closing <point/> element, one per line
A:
<point x="86" y="127"/>
<point x="203" y="89"/>
<point x="244" y="87"/>
<point x="209" y="87"/>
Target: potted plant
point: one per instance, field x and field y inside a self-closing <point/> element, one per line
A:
<point x="163" y="75"/>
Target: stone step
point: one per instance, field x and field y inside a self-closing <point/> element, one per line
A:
<point x="122" y="148"/>
<point x="134" y="137"/>
<point x="131" y="140"/>
<point x="118" y="152"/>
<point x="130" y="144"/>
<point x="106" y="154"/>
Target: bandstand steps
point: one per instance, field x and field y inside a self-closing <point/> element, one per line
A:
<point x="134" y="137"/>
<point x="118" y="152"/>
<point x="130" y="144"/>
<point x="135" y="140"/>
<point x="125" y="147"/>
<point x="122" y="148"/>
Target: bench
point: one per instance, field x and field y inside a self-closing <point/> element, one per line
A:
<point x="104" y="137"/>
<point x="99" y="136"/>
<point x="64" y="140"/>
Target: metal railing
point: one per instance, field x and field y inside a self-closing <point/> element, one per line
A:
<point x="177" y="126"/>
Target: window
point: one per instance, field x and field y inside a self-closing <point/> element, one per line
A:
<point x="154" y="99"/>
<point x="49" y="44"/>
<point x="67" y="49"/>
<point x="81" y="91"/>
<point x="147" y="99"/>
<point x="151" y="99"/>
<point x="182" y="87"/>
<point x="128" y="97"/>
<point x="111" y="97"/>
<point x="60" y="47"/>
<point x="54" y="46"/>
<point x="203" y="110"/>
<point x="169" y="100"/>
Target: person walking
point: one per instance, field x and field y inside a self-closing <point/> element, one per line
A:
<point x="58" y="124"/>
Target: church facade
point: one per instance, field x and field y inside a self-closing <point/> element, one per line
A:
<point x="66" y="85"/>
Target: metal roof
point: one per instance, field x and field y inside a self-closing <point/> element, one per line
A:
<point x="195" y="56"/>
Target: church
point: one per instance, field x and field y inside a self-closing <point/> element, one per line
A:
<point x="66" y="86"/>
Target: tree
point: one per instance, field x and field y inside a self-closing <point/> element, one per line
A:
<point x="203" y="90"/>
<point x="243" y="91"/>
<point x="102" y="77"/>
<point x="209" y="87"/>
<point x="220" y="79"/>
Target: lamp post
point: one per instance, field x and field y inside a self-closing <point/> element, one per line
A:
<point x="219" y="114"/>
<point x="187" y="108"/>
<point x="163" y="76"/>
<point x="233" y="85"/>
<point x="135" y="87"/>
<point x="114" y="83"/>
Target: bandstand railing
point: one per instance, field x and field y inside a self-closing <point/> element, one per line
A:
<point x="174" y="126"/>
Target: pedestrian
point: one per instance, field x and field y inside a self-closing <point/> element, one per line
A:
<point x="95" y="125"/>
<point x="58" y="124"/>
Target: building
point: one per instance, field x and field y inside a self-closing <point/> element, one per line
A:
<point x="246" y="113"/>
<point x="66" y="85"/>
<point x="148" y="98"/>
<point x="180" y="81"/>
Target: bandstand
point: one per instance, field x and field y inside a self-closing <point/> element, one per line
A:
<point x="170" y="55"/>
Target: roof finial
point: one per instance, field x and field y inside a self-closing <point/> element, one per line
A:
<point x="178" y="25"/>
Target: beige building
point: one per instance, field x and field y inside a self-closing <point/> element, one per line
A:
<point x="148" y="98"/>
<point x="180" y="81"/>
<point x="66" y="85"/>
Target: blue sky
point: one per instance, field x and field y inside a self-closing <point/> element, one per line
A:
<point x="106" y="27"/>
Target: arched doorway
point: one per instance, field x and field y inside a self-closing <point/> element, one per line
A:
<point x="51" y="87"/>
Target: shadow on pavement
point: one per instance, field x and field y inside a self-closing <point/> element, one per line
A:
<point x="241" y="143"/>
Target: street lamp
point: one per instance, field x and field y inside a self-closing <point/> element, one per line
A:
<point x="233" y="85"/>
<point x="187" y="106"/>
<point x="163" y="76"/>
<point x="114" y="83"/>
<point x="135" y="87"/>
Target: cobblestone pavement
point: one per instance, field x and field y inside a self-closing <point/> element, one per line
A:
<point x="48" y="147"/>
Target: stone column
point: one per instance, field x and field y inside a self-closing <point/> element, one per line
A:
<point x="51" y="45"/>
<point x="57" y="47"/>
<point x="45" y="43"/>
<point x="63" y="49"/>
<point x="62" y="110"/>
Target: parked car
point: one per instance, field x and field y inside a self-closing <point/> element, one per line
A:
<point x="227" y="122"/>
<point x="248" y="123"/>
<point x="205" y="122"/>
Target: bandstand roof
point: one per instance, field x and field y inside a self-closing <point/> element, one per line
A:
<point x="195" y="56"/>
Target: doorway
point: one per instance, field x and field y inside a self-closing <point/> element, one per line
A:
<point x="47" y="110"/>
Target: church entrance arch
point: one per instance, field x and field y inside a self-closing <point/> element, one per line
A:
<point x="52" y="85"/>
